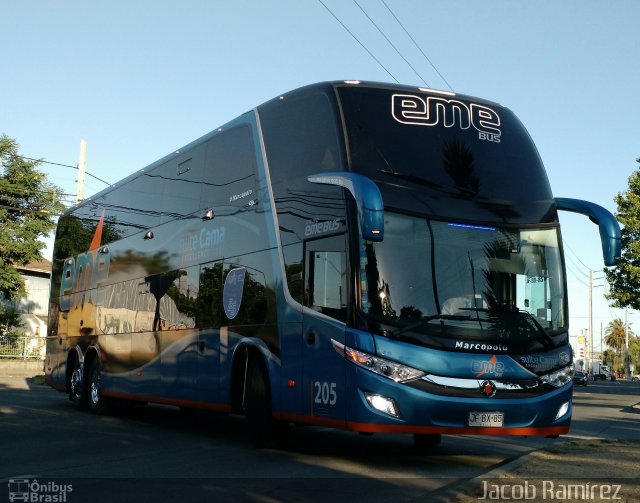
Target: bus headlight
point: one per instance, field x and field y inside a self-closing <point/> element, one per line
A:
<point x="560" y="377"/>
<point x="563" y="410"/>
<point x="382" y="404"/>
<point x="382" y="366"/>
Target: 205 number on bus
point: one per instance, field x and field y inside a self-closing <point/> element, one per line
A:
<point x="325" y="393"/>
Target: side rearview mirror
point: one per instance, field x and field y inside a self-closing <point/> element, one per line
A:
<point x="367" y="196"/>
<point x="609" y="227"/>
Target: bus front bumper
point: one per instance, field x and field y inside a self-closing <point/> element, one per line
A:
<point x="380" y="405"/>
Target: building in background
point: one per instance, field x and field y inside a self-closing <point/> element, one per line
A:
<point x="34" y="308"/>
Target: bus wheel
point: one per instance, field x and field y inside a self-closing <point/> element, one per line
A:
<point x="264" y="430"/>
<point x="78" y="388"/>
<point x="427" y="442"/>
<point x="97" y="403"/>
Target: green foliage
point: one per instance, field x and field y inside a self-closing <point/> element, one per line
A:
<point x="12" y="344"/>
<point x="9" y="320"/>
<point x="615" y="338"/>
<point x="624" y="279"/>
<point x="615" y="335"/>
<point x="28" y="207"/>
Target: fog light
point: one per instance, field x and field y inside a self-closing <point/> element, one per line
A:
<point x="563" y="410"/>
<point x="383" y="404"/>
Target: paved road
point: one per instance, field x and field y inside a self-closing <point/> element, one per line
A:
<point x="158" y="453"/>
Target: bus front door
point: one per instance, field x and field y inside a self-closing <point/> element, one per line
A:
<point x="324" y="315"/>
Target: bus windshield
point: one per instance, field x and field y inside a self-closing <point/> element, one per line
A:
<point x="464" y="281"/>
<point x="446" y="167"/>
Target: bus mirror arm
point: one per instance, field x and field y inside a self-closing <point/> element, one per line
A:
<point x="367" y="196"/>
<point x="607" y="223"/>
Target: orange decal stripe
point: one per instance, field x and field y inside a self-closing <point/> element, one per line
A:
<point x="412" y="429"/>
<point x="97" y="236"/>
<point x="179" y="402"/>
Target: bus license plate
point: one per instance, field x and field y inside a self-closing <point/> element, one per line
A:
<point x="486" y="419"/>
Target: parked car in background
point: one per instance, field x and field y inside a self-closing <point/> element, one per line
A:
<point x="580" y="378"/>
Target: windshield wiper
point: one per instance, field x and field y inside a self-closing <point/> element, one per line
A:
<point x="547" y="340"/>
<point x="423" y="181"/>
<point x="426" y="319"/>
<point x="410" y="178"/>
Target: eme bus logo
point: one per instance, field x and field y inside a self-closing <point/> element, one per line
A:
<point x="81" y="275"/>
<point x="436" y="111"/>
<point x="484" y="367"/>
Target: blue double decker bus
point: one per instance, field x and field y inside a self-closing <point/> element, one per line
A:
<point x="371" y="257"/>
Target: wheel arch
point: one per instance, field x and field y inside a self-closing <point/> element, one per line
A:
<point x="244" y="352"/>
<point x="91" y="355"/>
<point x="75" y="358"/>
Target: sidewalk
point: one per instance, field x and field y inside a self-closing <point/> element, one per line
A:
<point x="15" y="367"/>
<point x="575" y="471"/>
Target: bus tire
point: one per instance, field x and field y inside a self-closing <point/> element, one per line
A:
<point x="98" y="404"/>
<point x="264" y="430"/>
<point x="427" y="442"/>
<point x="78" y="387"/>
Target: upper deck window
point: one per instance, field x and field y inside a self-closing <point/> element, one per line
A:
<point x="230" y="169"/>
<point x="447" y="148"/>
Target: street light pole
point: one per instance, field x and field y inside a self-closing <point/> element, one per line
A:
<point x="627" y="370"/>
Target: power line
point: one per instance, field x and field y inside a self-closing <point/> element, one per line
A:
<point x="28" y="210"/>
<point x="577" y="257"/>
<point x="418" y="47"/>
<point x="60" y="164"/>
<point x="357" y="40"/>
<point x="585" y="274"/>
<point x="44" y="162"/>
<point x="391" y="43"/>
<point x="576" y="276"/>
<point x="13" y="190"/>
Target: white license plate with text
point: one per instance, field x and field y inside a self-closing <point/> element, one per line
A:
<point x="486" y="419"/>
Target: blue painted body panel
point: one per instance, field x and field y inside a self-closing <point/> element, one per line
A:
<point x="310" y="379"/>
<point x="418" y="408"/>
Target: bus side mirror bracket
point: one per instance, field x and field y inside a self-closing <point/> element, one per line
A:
<point x="609" y="227"/>
<point x="367" y="196"/>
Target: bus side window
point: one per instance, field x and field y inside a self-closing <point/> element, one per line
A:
<point x="326" y="276"/>
<point x="179" y="304"/>
<point x="209" y="312"/>
<point x="178" y="180"/>
<point x="229" y="170"/>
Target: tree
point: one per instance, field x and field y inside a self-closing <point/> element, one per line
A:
<point x="9" y="319"/>
<point x="634" y="351"/>
<point x="29" y="204"/>
<point x="616" y="339"/>
<point x="615" y="336"/>
<point x="624" y="279"/>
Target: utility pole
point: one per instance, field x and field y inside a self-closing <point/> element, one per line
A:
<point x="601" y="346"/>
<point x="82" y="169"/>
<point x="591" y="287"/>
<point x="590" y="315"/>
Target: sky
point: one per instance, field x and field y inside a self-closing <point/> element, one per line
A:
<point x="140" y="79"/>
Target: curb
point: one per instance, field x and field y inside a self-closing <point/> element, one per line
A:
<point x="21" y="368"/>
<point x="450" y="491"/>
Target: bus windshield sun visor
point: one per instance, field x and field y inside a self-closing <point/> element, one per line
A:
<point x="367" y="196"/>
<point x="609" y="227"/>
